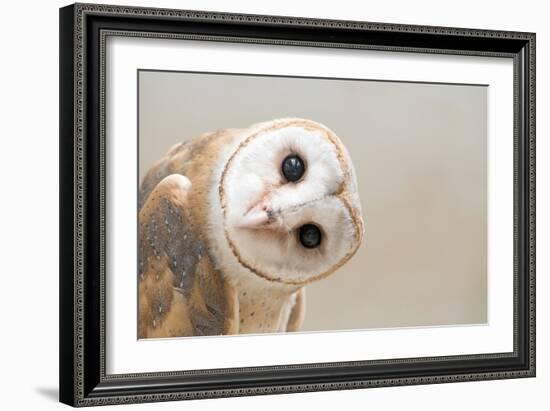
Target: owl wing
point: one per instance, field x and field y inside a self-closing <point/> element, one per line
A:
<point x="180" y="291"/>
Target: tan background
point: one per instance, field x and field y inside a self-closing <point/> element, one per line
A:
<point x="420" y="155"/>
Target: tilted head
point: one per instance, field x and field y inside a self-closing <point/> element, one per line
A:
<point x="290" y="207"/>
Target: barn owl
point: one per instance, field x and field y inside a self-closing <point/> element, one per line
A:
<point x="234" y="223"/>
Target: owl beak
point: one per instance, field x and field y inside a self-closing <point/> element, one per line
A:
<point x="259" y="216"/>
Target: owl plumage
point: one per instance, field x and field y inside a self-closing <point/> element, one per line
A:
<point x="234" y="223"/>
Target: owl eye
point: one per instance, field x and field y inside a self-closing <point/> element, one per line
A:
<point x="293" y="167"/>
<point x="310" y="235"/>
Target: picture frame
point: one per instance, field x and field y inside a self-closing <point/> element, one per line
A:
<point x="84" y="223"/>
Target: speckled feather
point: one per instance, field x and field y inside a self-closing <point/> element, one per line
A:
<point x="180" y="292"/>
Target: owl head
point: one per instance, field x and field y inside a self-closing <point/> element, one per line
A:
<point x="288" y="201"/>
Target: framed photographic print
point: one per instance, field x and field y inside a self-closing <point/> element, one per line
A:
<point x="262" y="204"/>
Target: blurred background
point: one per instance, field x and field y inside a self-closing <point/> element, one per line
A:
<point x="420" y="153"/>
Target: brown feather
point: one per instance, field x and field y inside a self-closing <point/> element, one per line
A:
<point x="180" y="292"/>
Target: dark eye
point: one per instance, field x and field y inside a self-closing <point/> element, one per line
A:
<point x="310" y="235"/>
<point x="293" y="167"/>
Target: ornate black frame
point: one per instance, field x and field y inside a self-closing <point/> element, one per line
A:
<point x="83" y="30"/>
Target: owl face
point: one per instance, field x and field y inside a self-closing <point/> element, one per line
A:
<point x="291" y="212"/>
